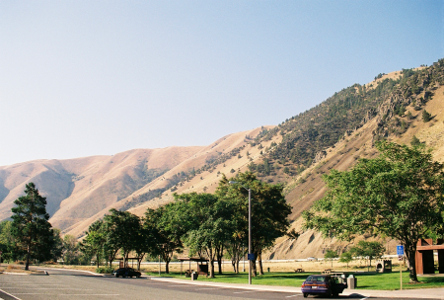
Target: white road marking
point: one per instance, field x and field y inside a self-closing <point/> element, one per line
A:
<point x="10" y="295"/>
<point x="187" y="285"/>
<point x="67" y="294"/>
<point x="89" y="295"/>
<point x="291" y="296"/>
<point x="35" y="288"/>
<point x="243" y="292"/>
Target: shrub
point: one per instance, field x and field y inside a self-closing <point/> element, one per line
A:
<point x="104" y="270"/>
<point x="415" y="141"/>
<point x="426" y="116"/>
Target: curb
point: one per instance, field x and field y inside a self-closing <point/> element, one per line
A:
<point x="25" y="274"/>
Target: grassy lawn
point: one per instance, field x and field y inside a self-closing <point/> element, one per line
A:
<point x="385" y="281"/>
<point x="390" y="281"/>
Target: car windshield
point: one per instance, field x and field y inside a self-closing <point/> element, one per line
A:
<point x="314" y="278"/>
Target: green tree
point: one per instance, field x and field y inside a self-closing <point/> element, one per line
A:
<point x="398" y="194"/>
<point x="168" y="231"/>
<point x="346" y="257"/>
<point x="400" y="110"/>
<point x="235" y="246"/>
<point x="70" y="252"/>
<point x="57" y="249"/>
<point x="368" y="250"/>
<point x="31" y="227"/>
<point x="426" y="116"/>
<point x="330" y="255"/>
<point x="10" y="252"/>
<point x="122" y="230"/>
<point x="415" y="141"/>
<point x="94" y="242"/>
<point x="145" y="241"/>
<point x="210" y="226"/>
<point x="269" y="211"/>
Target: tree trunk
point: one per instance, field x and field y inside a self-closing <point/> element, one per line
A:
<point x="167" y="267"/>
<point x="125" y="259"/>
<point x="28" y="258"/>
<point x="111" y="259"/>
<point x="261" y="267"/>
<point x="233" y="263"/>
<point x="254" y="267"/>
<point x="412" y="270"/>
<point x="219" y="255"/>
<point x="211" y="268"/>
<point x="219" y="263"/>
<point x="167" y="258"/>
<point x="139" y="261"/>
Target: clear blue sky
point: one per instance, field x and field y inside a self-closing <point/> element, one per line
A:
<point x="81" y="78"/>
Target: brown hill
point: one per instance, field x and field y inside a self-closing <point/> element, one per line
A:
<point x="77" y="188"/>
<point x="308" y="187"/>
<point x="80" y="191"/>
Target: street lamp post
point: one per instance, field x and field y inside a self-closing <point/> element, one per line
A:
<point x="249" y="236"/>
<point x="250" y="259"/>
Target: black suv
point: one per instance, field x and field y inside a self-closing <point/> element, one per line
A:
<point x="127" y="272"/>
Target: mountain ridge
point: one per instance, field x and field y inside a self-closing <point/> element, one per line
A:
<point x="334" y="134"/>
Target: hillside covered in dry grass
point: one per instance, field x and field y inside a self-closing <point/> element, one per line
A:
<point x="334" y="134"/>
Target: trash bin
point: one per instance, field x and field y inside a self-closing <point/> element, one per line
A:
<point x="194" y="276"/>
<point x="351" y="282"/>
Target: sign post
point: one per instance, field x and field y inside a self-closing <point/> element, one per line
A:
<point x="400" y="253"/>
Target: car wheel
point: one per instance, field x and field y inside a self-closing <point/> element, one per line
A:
<point x="305" y="295"/>
<point x="138" y="276"/>
<point x="335" y="295"/>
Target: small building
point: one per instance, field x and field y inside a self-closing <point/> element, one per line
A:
<point x="201" y="267"/>
<point x="424" y="256"/>
<point x="384" y="266"/>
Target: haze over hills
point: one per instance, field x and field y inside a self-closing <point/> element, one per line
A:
<point x="296" y="153"/>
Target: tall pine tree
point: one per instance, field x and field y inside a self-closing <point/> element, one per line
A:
<point x="31" y="227"/>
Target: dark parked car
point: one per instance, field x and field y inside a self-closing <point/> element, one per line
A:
<point x="126" y="272"/>
<point x="328" y="285"/>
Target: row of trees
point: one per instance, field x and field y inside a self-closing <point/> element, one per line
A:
<point x="210" y="226"/>
<point x="364" y="250"/>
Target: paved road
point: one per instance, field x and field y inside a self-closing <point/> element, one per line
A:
<point x="70" y="285"/>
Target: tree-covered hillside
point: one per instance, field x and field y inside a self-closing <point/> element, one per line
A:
<point x="307" y="135"/>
